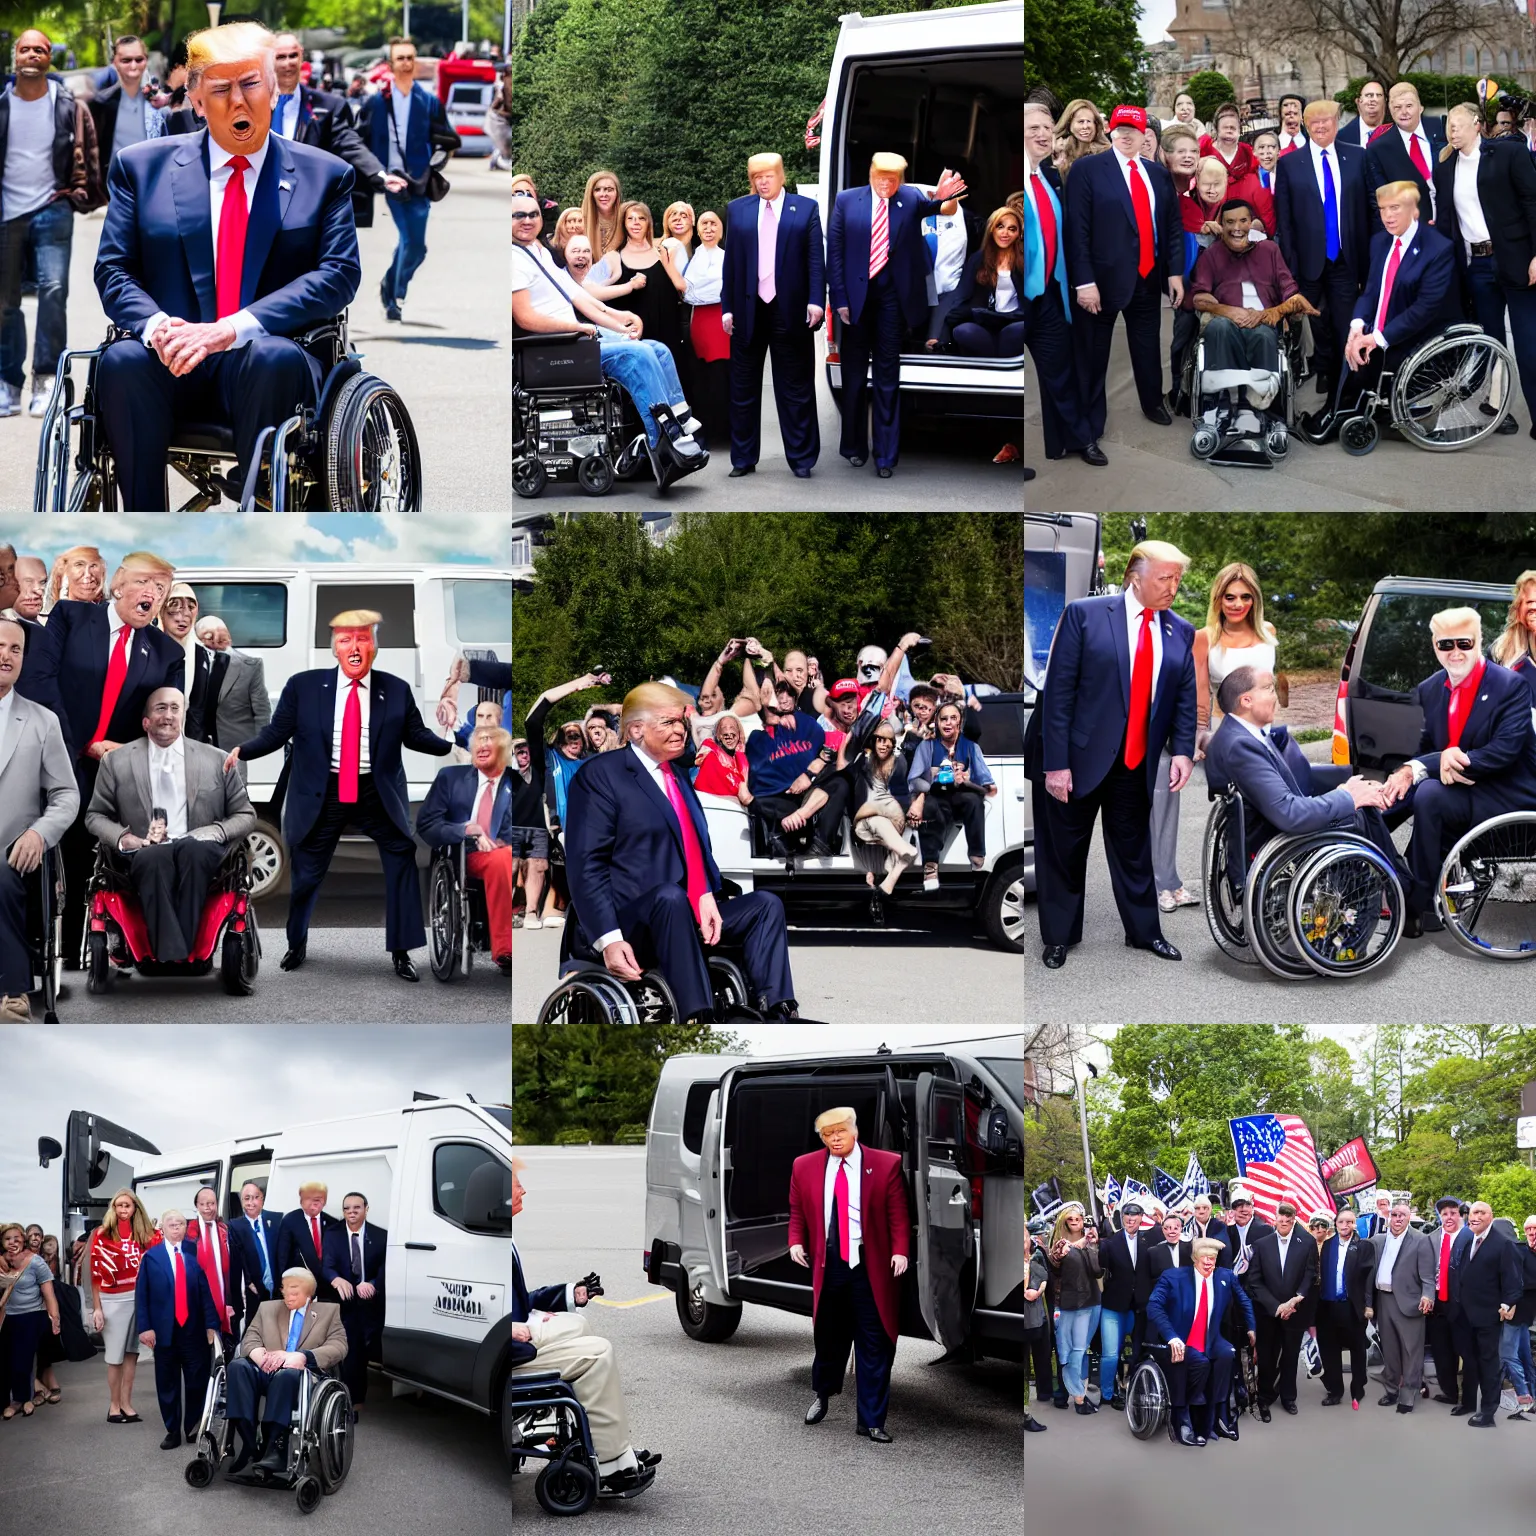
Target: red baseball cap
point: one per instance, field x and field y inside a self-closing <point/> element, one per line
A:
<point x="1128" y="117"/>
<point x="842" y="688"/>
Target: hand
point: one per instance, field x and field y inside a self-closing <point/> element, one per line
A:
<point x="26" y="852"/>
<point x="727" y="324"/>
<point x="1202" y="741"/>
<point x="98" y="1320"/>
<point x="1397" y="785"/>
<point x="754" y="646"/>
<point x="231" y="759"/>
<point x="1370" y="1312"/>
<point x="522" y="1333"/>
<point x="1285" y="1309"/>
<point x="636" y="282"/>
<point x="709" y="918"/>
<point x="932" y="343"/>
<point x="898" y="1264"/>
<point x="1176" y="1351"/>
<point x="1453" y="764"/>
<point x="147" y="1338"/>
<point x="797" y="1253"/>
<point x="447" y="713"/>
<point x="295" y="1361"/>
<point x="1247" y="319"/>
<point x="592" y="679"/>
<point x="1253" y="1338"/>
<point x="1176" y="291"/>
<point x="909" y="641"/>
<point x="1530" y="275"/>
<point x="621" y="962"/>
<point x="1179" y="771"/>
<point x="795" y="820"/>
<point x="394" y="183"/>
<point x="1088" y="297"/>
<point x="842" y="314"/>
<point x="1365" y="791"/>
<point x="213" y="1335"/>
<point x="950" y="184"/>
<point x="1505" y="1312"/>
<point x="343" y="1288"/>
<point x="99" y="749"/>
<point x="1058" y="784"/>
<point x="271" y="1362"/>
<point x="1210" y="227"/>
<point x="53" y="1322"/>
<point x="182" y="345"/>
<point x="367" y="1290"/>
<point x="915" y="811"/>
<point x="813" y="314"/>
<point x="799" y="787"/>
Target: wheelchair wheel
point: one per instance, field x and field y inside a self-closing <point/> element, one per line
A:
<point x="372" y="463"/>
<point x="653" y="1000"/>
<point x="595" y="475"/>
<point x="589" y="998"/>
<point x="332" y="1416"/>
<point x="566" y="1486"/>
<point x="1487" y="888"/>
<point x="1223" y="905"/>
<point x="728" y="984"/>
<point x="238" y="959"/>
<point x="1359" y="435"/>
<point x="307" y="1495"/>
<point x="1439" y="394"/>
<point x="98" y="968"/>
<point x="1204" y="441"/>
<point x="199" y="1473"/>
<point x="1146" y="1401"/>
<point x="1266" y="901"/>
<point x="529" y="478"/>
<point x="445" y="902"/>
<point x="268" y="862"/>
<point x="1346" y="909"/>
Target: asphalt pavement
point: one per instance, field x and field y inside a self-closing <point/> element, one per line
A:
<point x="727" y="1418"/>
<point x="945" y="974"/>
<point x="449" y="359"/>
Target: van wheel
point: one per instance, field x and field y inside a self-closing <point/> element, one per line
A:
<point x="269" y="861"/>
<point x="1002" y="908"/>
<point x="703" y="1320"/>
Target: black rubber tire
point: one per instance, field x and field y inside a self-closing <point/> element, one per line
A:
<point x="98" y="969"/>
<point x="595" y="475"/>
<point x="1002" y="909"/>
<point x="307" y="1495"/>
<point x="702" y="1320"/>
<point x="232" y="965"/>
<point x="566" y="1487"/>
<point x="1359" y="435"/>
<point x="349" y="434"/>
<point x="333" y="1429"/>
<point x="529" y="478"/>
<point x="445" y="917"/>
<point x="199" y="1473"/>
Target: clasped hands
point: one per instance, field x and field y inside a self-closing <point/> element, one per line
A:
<point x="1358" y="348"/>
<point x="182" y="344"/>
<point x="270" y="1361"/>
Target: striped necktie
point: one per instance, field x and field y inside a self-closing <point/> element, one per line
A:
<point x="879" y="236"/>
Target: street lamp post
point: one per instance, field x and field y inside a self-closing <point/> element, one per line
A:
<point x="214" y="8"/>
<point x="1082" y="1122"/>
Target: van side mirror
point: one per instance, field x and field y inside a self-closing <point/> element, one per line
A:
<point x="997" y="1130"/>
<point x="47" y="1150"/>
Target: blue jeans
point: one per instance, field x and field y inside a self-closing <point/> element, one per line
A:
<point x="1515" y="1355"/>
<point x="48" y="234"/>
<point x="1114" y="1329"/>
<point x="647" y="372"/>
<point x="410" y="215"/>
<point x="1074" y="1332"/>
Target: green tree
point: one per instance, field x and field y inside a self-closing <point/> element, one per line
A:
<point x="1053" y="1148"/>
<point x="1438" y="92"/>
<point x="1088" y="48"/>
<point x="1428" y="1163"/>
<point x="1209" y="88"/>
<point x="1511" y="1190"/>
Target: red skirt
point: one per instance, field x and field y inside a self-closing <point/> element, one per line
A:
<point x="710" y="343"/>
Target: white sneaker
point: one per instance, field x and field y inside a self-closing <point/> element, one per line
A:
<point x="533" y="920"/>
<point x="10" y="399"/>
<point x="42" y="392"/>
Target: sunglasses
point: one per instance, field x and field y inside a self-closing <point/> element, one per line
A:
<point x="1458" y="643"/>
<point x="525" y="215"/>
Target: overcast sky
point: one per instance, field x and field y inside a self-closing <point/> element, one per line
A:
<point x="181" y="1085"/>
<point x="1155" y="16"/>
<point x="810" y="1039"/>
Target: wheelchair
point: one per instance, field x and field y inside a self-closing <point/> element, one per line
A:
<point x="1451" y="393"/>
<point x="116" y="938"/>
<point x="45" y="932"/>
<point x="1486" y="894"/>
<point x="1148" y="1403"/>
<point x="355" y="451"/>
<point x="460" y="919"/>
<point x="1319" y="904"/>
<point x="1226" y="430"/>
<point x="319" y="1440"/>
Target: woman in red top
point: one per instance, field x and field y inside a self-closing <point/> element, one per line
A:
<point x="721" y="763"/>
<point x="118" y="1246"/>
<point x="1241" y="163"/>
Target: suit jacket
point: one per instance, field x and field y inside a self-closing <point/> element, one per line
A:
<point x="622" y="838"/>
<point x="1423" y="300"/>
<point x="154" y="1296"/>
<point x="245" y="1275"/>
<point x="490" y="673"/>
<point x="336" y="1264"/>
<point x="1482" y="1283"/>
<point x="1034" y="252"/>
<point x="1126" y="1285"/>
<point x="1100" y="233"/>
<point x="1256" y="1229"/>
<point x="37" y="780"/>
<point x="103" y="107"/>
<point x="1278" y="788"/>
<point x="322" y="1338"/>
<point x="1080" y="720"/>
<point x="301" y="264"/>
<point x="1171" y="1308"/>
<point x="1506" y="192"/>
<point x="1496" y="736"/>
<point x="546" y="1298"/>
<point x="1301" y="226"/>
<point x="1161" y="1257"/>
<point x="1359" y="1273"/>
<point x="882" y="1215"/>
<point x="1412" y="1276"/>
<point x="799" y="263"/>
<point x="324" y="121"/>
<point x="849" y="232"/>
<point x="1269" y="1283"/>
<point x="450" y="804"/>
<point x="218" y="808"/>
<point x="237" y="692"/>
<point x="304" y="716"/>
<point x="296" y="1249"/>
<point x="426" y="129"/>
<point x="1386" y="159"/>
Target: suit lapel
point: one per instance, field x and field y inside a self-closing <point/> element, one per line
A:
<point x="13" y="730"/>
<point x="189" y="188"/>
<point x="376" y="709"/>
<point x="139" y="758"/>
<point x="652" y="791"/>
<point x="1116" y="611"/>
<point x="269" y="202"/>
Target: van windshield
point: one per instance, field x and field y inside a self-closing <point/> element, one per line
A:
<point x="1009" y="1071"/>
<point x="502" y="1113"/>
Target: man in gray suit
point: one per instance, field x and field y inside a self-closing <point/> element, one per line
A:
<point x="168" y="803"/>
<point x="1405" y="1294"/>
<point x="235" y="707"/>
<point x="38" y="802"/>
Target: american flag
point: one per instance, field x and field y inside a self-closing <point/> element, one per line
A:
<point x="1137" y="1191"/>
<point x="1277" y="1161"/>
<point x="1112" y="1193"/>
<point x="812" y="138"/>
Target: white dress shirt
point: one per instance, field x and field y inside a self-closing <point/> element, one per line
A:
<point x="1469" y="207"/>
<point x="703" y="278"/>
<point x="343" y="688"/>
<point x="1133" y="609"/>
<point x="1316" y="151"/>
<point x="1297" y="140"/>
<point x="285" y="122"/>
<point x="1242" y="1236"/>
<point x="1130" y="1246"/>
<point x="855" y="1204"/>
<point x="1284" y="1244"/>
<point x="1390" y="1246"/>
<point x="169" y="764"/>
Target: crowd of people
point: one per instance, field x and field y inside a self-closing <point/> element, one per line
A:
<point x="687" y="307"/>
<point x="1378" y="233"/>
<point x="1091" y="750"/>
<point x="1217" y="1284"/>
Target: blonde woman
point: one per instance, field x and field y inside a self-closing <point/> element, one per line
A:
<point x="1079" y="131"/>
<point x="1073" y="1259"/>
<point x="653" y="278"/>
<point x="600" y="221"/>
<point x="1516" y="647"/>
<point x="79" y="573"/>
<point x="117" y="1248"/>
<point x="677" y="227"/>
<point x="570" y="222"/>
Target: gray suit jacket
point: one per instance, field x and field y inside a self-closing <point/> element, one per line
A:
<point x="218" y="808"/>
<point x="243" y="707"/>
<point x="1413" y="1276"/>
<point x="37" y="779"/>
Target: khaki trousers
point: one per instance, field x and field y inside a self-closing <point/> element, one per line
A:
<point x="566" y="1344"/>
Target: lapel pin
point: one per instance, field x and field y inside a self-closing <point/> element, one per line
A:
<point x="285" y="186"/>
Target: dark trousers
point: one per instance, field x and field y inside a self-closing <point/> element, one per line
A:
<point x="847" y="1316"/>
<point x="251" y="1394"/>
<point x="15" y="958"/>
<point x="1339" y="1327"/>
<point x="171" y="881"/>
<point x="45" y="236"/>
<point x="1441" y="1341"/>
<point x="876" y="335"/>
<point x="1483" y="1368"/>
<point x="774" y="808"/>
<point x="1333" y="291"/>
<point x="1037" y="1361"/>
<point x="1063" y="835"/>
<point x="181" y="1376"/>
<point x="312" y="857"/>
<point x="1492" y="300"/>
<point x="19" y="1338"/>
<point x="1202" y="1381"/>
<point x="1048" y="336"/>
<point x="1279" y="1350"/>
<point x="793" y="349"/>
<point x="247" y="388"/>
<point x="1092" y="336"/>
<point x="364" y="1322"/>
<point x="1441" y="813"/>
<point x="1186" y="331"/>
<point x="77" y="850"/>
<point x="941" y="810"/>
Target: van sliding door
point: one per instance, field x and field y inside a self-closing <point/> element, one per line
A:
<point x="944" y="1241"/>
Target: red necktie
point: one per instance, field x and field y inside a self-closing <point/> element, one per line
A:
<point x="180" y="1271"/>
<point x="840" y="1197"/>
<point x="1047" y="223"/>
<point x="483" y="809"/>
<point x="1141" y="695"/>
<point x="234" y="215"/>
<point x="1420" y="164"/>
<point x="693" y="855"/>
<point x="879" y="236"/>
<point x="1142" y="204"/>
<point x="117" y="671"/>
<point x="314" y="1226"/>
<point x="1196" y="1339"/>
<point x="208" y="1258"/>
<point x="1388" y="278"/>
<point x="1445" y="1267"/>
<point x="351" y="763"/>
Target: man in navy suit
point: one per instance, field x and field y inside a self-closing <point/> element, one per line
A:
<point x="1324" y="222"/>
<point x="1346" y="1292"/>
<point x="297" y="1247"/>
<point x="876" y="267"/>
<point x="1477" y="755"/>
<point x="219" y="248"/>
<point x="641" y="873"/>
<point x="1119" y="689"/>
<point x="1487" y="1280"/>
<point x="253" y="1271"/>
<point x="352" y="1262"/>
<point x="348" y="725"/>
<point x="176" y="1317"/>
<point x="1186" y="1309"/>
<point x="1406" y="148"/>
<point x="773" y="298"/>
<point x="1125" y="247"/>
<point x="1126" y="1260"/>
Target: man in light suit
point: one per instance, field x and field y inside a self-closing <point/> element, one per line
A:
<point x="353" y="1262"/>
<point x="1404" y="1276"/>
<point x="236" y="707"/>
<point x="641" y="873"/>
<point x="301" y="1237"/>
<point x="1119" y="689"/>
<point x="876" y="266"/>
<point x="773" y="298"/>
<point x="219" y="248"/>
<point x="1487" y="1279"/>
<point x="1345" y="1292"/>
<point x="38" y="803"/>
<point x="206" y="809"/>
<point x="175" y="1316"/>
<point x="253" y="1251"/>
<point x="1282" y="1273"/>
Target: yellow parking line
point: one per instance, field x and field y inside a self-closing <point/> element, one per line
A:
<point x="638" y="1301"/>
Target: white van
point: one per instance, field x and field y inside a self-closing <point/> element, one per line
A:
<point x="281" y="615"/>
<point x="437" y="1174"/>
<point x="943" y="88"/>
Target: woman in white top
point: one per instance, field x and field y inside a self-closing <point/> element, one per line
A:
<point x="677" y="233"/>
<point x="709" y="389"/>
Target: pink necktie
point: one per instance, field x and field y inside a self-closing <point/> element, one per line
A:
<point x="840" y="1195"/>
<point x="483" y="810"/>
<point x="767" y="249"/>
<point x="1388" y="278"/>
<point x="879" y="236"/>
<point x="351" y="748"/>
<point x="693" y="855"/>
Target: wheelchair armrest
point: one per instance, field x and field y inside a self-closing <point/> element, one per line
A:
<point x="1215" y="791"/>
<point x="542" y="338"/>
<point x="529" y="1378"/>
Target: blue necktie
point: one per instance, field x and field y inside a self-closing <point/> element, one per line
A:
<point x="266" y="1258"/>
<point x="295" y="1324"/>
<point x="1264" y="179"/>
<point x="277" y="116"/>
<point x="1330" y="209"/>
<point x="931" y="237"/>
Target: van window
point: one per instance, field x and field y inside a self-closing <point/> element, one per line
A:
<point x="472" y="1188"/>
<point x="479" y="611"/>
<point x="256" y="612"/>
<point x="1002" y="728"/>
<point x="395" y="600"/>
<point x="1398" y="652"/>
<point x="693" y="1116"/>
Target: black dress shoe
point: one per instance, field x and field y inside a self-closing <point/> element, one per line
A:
<point x="817" y="1411"/>
<point x="171" y="1441"/>
<point x="1187" y="1436"/>
<point x="294" y="958"/>
<point x="781" y="1012"/>
<point x="1055" y="956"/>
<point x="738" y="470"/>
<point x="504" y="965"/>
<point x="878" y="1435"/>
<point x="801" y="473"/>
<point x="1224" y="1430"/>
<point x="274" y="1458"/>
<point x="1507" y="428"/>
<point x="403" y="967"/>
<point x="1033" y="1426"/>
<point x="1028" y="474"/>
<point x="1386" y="1401"/>
<point x="1317" y="427"/>
<point x="1159" y="947"/>
<point x="1160" y="416"/>
<point x="1084" y="1408"/>
<point x="1482" y="1421"/>
<point x="820" y="848"/>
<point x="1533" y="429"/>
<point x="1093" y="454"/>
<point x="1416" y="926"/>
<point x="859" y="462"/>
<point x="1445" y="1397"/>
<point x="1460" y="1411"/>
<point x="1333" y="1400"/>
<point x="1405" y="1407"/>
<point x="1289" y="1407"/>
<point x="1324" y="382"/>
<point x="1264" y="1414"/>
<point x="1117" y="1403"/>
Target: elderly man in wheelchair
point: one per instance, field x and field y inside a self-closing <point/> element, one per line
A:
<point x="1242" y="380"/>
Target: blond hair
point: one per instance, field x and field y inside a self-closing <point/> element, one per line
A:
<point x="1322" y="107"/>
<point x="1153" y="549"/>
<point x="605" y="234"/>
<point x="1237" y="571"/>
<point x="1205" y="1245"/>
<point x="1456" y="618"/>
<point x="313" y="1187"/>
<point x="142" y="1227"/>
<point x="767" y="160"/>
<point x="1389" y="191"/>
<point x="645" y="699"/>
<point x="1461" y="109"/>
<point x="842" y="1115"/>
<point x="140" y="560"/>
<point x="232" y="43"/>
<point x="1516" y="641"/>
